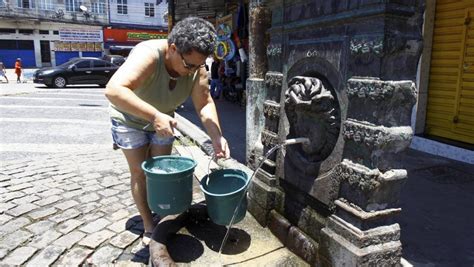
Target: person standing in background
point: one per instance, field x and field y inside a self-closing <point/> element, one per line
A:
<point x="215" y="79"/>
<point x="18" y="70"/>
<point x="3" y="71"/>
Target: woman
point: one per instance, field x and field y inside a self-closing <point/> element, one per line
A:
<point x="156" y="78"/>
<point x="3" y="71"/>
<point x="18" y="70"/>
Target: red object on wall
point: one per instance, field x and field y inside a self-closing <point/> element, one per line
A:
<point x="132" y="36"/>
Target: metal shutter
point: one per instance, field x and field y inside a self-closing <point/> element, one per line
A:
<point x="450" y="110"/>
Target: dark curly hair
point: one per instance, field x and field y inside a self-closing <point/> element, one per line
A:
<point x="193" y="33"/>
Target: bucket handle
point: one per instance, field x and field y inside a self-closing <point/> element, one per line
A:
<point x="213" y="157"/>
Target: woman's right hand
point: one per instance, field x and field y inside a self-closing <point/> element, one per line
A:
<point x="164" y="124"/>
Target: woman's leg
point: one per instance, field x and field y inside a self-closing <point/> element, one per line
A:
<point x="161" y="255"/>
<point x="135" y="157"/>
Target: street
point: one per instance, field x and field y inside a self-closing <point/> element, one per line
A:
<point x="36" y="120"/>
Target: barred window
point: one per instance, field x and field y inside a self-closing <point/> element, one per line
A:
<point x="122" y="7"/>
<point x="73" y="5"/>
<point x="149" y="10"/>
<point x="98" y="7"/>
<point x="45" y="4"/>
<point x="26" y="3"/>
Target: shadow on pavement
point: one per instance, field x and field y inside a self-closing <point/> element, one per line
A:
<point x="186" y="248"/>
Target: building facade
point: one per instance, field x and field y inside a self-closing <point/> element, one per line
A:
<point x="134" y="21"/>
<point x="49" y="32"/>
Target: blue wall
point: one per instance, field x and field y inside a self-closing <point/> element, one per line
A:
<point x="8" y="57"/>
<point x="92" y="54"/>
<point x="62" y="57"/>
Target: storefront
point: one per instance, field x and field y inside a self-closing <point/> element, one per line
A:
<point x="47" y="43"/>
<point x="121" y="41"/>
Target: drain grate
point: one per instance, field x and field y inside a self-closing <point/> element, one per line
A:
<point x="445" y="175"/>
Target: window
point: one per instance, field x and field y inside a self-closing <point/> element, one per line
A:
<point x="122" y="7"/>
<point x="149" y="10"/>
<point x="45" y="4"/>
<point x="25" y="45"/>
<point x="98" y="7"/>
<point x="99" y="64"/>
<point x="16" y="45"/>
<point x="3" y="30"/>
<point x="86" y="64"/>
<point x="43" y="32"/>
<point x="56" y="32"/>
<point x="26" y="3"/>
<point x="24" y="31"/>
<point x="73" y="5"/>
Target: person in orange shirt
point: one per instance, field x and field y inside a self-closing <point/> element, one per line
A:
<point x="18" y="70"/>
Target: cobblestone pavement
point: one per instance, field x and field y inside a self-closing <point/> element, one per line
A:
<point x="69" y="209"/>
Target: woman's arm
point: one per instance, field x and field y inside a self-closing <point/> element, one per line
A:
<point x="207" y="112"/>
<point x="138" y="67"/>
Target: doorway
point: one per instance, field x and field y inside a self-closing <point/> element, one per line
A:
<point x="45" y="53"/>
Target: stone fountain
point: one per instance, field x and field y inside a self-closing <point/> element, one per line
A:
<point x="340" y="73"/>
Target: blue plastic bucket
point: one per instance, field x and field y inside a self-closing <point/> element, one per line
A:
<point x="169" y="183"/>
<point x="223" y="190"/>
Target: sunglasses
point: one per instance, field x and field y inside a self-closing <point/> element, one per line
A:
<point x="190" y="66"/>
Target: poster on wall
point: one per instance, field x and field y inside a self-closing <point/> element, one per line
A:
<point x="62" y="46"/>
<point x="82" y="46"/>
<point x="80" y="35"/>
<point x="98" y="46"/>
<point x="90" y="47"/>
<point x="75" y="47"/>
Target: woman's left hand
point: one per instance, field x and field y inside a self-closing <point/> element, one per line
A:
<point x="221" y="148"/>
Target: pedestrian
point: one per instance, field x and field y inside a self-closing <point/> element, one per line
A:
<point x="3" y="71"/>
<point x="216" y="78"/>
<point x="157" y="77"/>
<point x="18" y="70"/>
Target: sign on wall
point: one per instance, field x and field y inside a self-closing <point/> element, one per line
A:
<point x="80" y="35"/>
<point x="132" y="36"/>
<point x="78" y="46"/>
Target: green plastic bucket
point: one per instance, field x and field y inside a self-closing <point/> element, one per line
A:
<point x="223" y="190"/>
<point x="169" y="183"/>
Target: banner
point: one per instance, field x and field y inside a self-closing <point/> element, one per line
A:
<point x="80" y="35"/>
<point x="77" y="46"/>
<point x="132" y="36"/>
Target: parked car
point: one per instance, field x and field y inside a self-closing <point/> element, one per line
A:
<point x="114" y="59"/>
<point x="76" y="71"/>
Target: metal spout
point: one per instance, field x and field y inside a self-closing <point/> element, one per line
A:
<point x="293" y="141"/>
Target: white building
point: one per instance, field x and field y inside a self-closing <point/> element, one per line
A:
<point x="49" y="32"/>
<point x="139" y="14"/>
<point x="134" y="21"/>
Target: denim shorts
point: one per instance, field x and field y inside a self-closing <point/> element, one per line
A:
<point x="127" y="137"/>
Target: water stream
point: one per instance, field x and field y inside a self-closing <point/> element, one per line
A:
<point x="273" y="149"/>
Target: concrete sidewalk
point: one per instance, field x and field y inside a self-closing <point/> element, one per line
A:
<point x="76" y="208"/>
<point x="27" y="76"/>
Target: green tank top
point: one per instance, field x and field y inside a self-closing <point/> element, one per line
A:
<point x="155" y="91"/>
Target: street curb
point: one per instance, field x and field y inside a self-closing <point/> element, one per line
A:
<point x="203" y="140"/>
